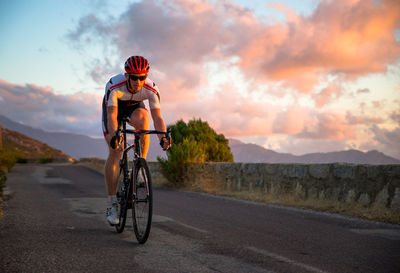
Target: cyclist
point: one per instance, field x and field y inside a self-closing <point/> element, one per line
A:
<point x="124" y="96"/>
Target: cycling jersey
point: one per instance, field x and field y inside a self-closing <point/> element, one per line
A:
<point x="117" y="94"/>
<point x="117" y="90"/>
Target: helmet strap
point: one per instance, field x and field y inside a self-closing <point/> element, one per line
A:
<point x="128" y="85"/>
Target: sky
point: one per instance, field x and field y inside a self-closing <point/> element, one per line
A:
<point x="292" y="76"/>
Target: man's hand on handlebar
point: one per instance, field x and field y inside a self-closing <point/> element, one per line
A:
<point x="165" y="143"/>
<point x="115" y="141"/>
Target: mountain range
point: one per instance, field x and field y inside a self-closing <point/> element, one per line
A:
<point x="80" y="146"/>
<point x="243" y="152"/>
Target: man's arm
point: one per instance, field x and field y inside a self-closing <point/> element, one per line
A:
<point x="159" y="125"/>
<point x="112" y="122"/>
<point x="158" y="121"/>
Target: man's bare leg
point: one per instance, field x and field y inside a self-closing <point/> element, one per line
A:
<point x="140" y="120"/>
<point x="111" y="171"/>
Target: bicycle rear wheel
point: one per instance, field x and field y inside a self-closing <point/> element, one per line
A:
<point x="122" y="196"/>
<point x="143" y="201"/>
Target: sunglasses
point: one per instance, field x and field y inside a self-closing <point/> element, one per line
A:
<point x="135" y="78"/>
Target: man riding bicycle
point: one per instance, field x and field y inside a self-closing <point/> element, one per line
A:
<point x="124" y="96"/>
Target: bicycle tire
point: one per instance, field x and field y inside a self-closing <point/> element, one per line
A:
<point x="142" y="209"/>
<point x="123" y="198"/>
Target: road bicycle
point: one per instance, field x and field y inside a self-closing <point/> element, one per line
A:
<point x="134" y="183"/>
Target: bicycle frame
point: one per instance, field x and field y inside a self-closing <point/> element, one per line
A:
<point x="137" y="149"/>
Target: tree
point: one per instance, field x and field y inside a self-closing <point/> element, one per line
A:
<point x="194" y="142"/>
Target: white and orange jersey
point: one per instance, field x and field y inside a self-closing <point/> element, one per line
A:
<point x="116" y="90"/>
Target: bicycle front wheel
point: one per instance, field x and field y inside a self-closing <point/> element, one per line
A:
<point x="122" y="196"/>
<point x="143" y="201"/>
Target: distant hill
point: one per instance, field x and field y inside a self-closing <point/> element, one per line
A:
<point x="76" y="145"/>
<point x="73" y="144"/>
<point x="29" y="147"/>
<point x="243" y="152"/>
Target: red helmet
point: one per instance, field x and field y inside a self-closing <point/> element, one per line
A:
<point x="137" y="65"/>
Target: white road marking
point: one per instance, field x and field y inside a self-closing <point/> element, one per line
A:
<point x="285" y="260"/>
<point x="191" y="227"/>
<point x="161" y="219"/>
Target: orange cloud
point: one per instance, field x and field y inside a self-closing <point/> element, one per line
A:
<point x="291" y="121"/>
<point x="234" y="115"/>
<point x="354" y="120"/>
<point x="327" y="94"/>
<point x="352" y="38"/>
<point x="329" y="126"/>
<point x="346" y="38"/>
<point x="340" y="40"/>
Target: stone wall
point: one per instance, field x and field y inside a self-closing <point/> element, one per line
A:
<point x="370" y="185"/>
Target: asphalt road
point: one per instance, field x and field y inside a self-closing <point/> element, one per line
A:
<point x="55" y="222"/>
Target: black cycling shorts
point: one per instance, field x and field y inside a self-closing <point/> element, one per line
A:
<point x="125" y="109"/>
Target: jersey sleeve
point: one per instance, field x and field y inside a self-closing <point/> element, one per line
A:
<point x="153" y="95"/>
<point x="112" y="89"/>
<point x="112" y="98"/>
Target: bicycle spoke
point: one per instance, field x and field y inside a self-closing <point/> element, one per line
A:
<point x="142" y="207"/>
<point x="122" y="198"/>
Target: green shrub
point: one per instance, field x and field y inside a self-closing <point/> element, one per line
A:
<point x="8" y="158"/>
<point x="194" y="142"/>
<point x="45" y="159"/>
<point x="22" y="160"/>
<point x="3" y="179"/>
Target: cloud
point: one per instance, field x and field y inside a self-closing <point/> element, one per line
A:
<point x="364" y="120"/>
<point x="89" y="28"/>
<point x="363" y="91"/>
<point x="41" y="107"/>
<point x="228" y="112"/>
<point x="340" y="41"/>
<point x="395" y="116"/>
<point x="291" y="121"/>
<point x="326" y="95"/>
<point x="345" y="38"/>
<point x="298" y="146"/>
<point x="387" y="140"/>
<point x="43" y="49"/>
<point x="235" y="115"/>
<point x="377" y="104"/>
<point x="328" y="126"/>
<point x="350" y="38"/>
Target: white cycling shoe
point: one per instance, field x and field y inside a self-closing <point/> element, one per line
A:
<point x="112" y="214"/>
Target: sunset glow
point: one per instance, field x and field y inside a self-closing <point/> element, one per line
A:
<point x="317" y="77"/>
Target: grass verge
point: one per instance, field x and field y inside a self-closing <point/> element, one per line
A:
<point x="373" y="213"/>
<point x="2" y="186"/>
<point x="95" y="163"/>
<point x="8" y="158"/>
<point x="353" y="209"/>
